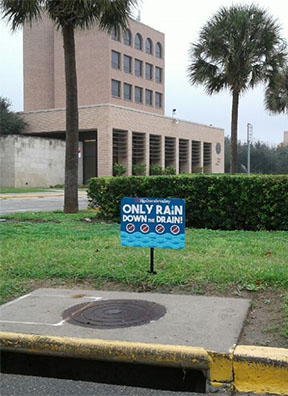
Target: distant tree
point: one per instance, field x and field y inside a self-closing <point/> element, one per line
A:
<point x="282" y="159"/>
<point x="265" y="159"/>
<point x="237" y="49"/>
<point x="11" y="123"/>
<point x="276" y="95"/>
<point x="69" y="15"/>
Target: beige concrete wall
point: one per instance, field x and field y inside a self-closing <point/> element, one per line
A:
<point x="33" y="161"/>
<point x="38" y="65"/>
<point x="285" y="138"/>
<point x="105" y="118"/>
<point x="7" y="161"/>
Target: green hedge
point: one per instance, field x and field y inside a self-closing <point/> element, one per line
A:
<point x="226" y="202"/>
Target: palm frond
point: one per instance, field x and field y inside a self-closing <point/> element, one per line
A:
<point x="276" y="94"/>
<point x="241" y="42"/>
<point x="19" y="12"/>
<point x="107" y="14"/>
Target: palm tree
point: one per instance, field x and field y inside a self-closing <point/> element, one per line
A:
<point x="67" y="16"/>
<point x="237" y="49"/>
<point x="276" y="95"/>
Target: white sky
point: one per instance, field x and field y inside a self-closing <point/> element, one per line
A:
<point x="181" y="22"/>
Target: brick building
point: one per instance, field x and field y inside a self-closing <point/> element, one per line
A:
<point x="121" y="91"/>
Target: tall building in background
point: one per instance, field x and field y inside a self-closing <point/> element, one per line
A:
<point x="121" y="91"/>
<point x="122" y="69"/>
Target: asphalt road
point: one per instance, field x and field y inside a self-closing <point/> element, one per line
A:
<point x="41" y="202"/>
<point x="19" y="385"/>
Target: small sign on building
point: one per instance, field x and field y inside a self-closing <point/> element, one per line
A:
<point x="153" y="223"/>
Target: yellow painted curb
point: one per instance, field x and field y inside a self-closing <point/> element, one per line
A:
<point x="156" y="354"/>
<point x="261" y="370"/>
<point x="220" y="368"/>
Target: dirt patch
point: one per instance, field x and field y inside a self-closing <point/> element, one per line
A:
<point x="265" y="321"/>
<point x="263" y="325"/>
<point x="96" y="220"/>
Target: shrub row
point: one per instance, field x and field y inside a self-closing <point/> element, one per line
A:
<point x="226" y="202"/>
<point x="140" y="170"/>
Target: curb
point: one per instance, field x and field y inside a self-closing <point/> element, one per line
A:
<point x="260" y="370"/>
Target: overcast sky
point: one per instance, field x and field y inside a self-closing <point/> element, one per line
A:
<point x="181" y="22"/>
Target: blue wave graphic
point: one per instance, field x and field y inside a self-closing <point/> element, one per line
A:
<point x="165" y="241"/>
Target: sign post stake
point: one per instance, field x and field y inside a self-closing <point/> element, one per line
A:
<point x="152" y="262"/>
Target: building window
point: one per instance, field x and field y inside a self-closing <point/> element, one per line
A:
<point x="158" y="74"/>
<point x="170" y="151"/>
<point x="115" y="60"/>
<point x="120" y="147"/>
<point x="138" y="95"/>
<point x="127" y="91"/>
<point x="207" y="157"/>
<point x="138" y="148"/>
<point x="148" y="46"/>
<point x="115" y="35"/>
<point x="158" y="50"/>
<point x="158" y="100"/>
<point x="196" y="155"/>
<point x="116" y="89"/>
<point x="127" y="38"/>
<point x="148" y="71"/>
<point x="127" y="64"/>
<point x="148" y="97"/>
<point x="138" y="41"/>
<point x="138" y="68"/>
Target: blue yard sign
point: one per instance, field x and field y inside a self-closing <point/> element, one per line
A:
<point x="153" y="223"/>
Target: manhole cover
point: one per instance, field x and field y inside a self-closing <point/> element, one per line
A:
<point x="113" y="314"/>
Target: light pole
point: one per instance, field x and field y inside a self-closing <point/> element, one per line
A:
<point x="249" y="137"/>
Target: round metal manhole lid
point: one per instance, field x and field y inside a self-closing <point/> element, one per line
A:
<point x="113" y="314"/>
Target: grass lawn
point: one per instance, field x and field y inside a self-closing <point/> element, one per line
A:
<point x="66" y="249"/>
<point x="23" y="190"/>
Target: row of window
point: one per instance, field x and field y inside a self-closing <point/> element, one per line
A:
<point x="138" y="66"/>
<point x="138" y="94"/>
<point x="138" y="42"/>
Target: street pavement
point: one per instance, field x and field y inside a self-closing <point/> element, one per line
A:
<point x="37" y="202"/>
<point x="20" y="385"/>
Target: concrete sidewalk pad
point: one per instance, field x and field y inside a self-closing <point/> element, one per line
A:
<point x="213" y="323"/>
<point x="195" y="332"/>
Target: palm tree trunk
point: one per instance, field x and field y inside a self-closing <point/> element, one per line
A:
<point x="72" y="127"/>
<point x="234" y="130"/>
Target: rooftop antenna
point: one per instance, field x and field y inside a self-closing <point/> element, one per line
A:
<point x="138" y="16"/>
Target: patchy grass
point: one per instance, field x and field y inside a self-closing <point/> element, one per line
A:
<point x="285" y="307"/>
<point x="37" y="246"/>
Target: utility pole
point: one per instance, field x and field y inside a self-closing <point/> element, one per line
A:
<point x="249" y="137"/>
